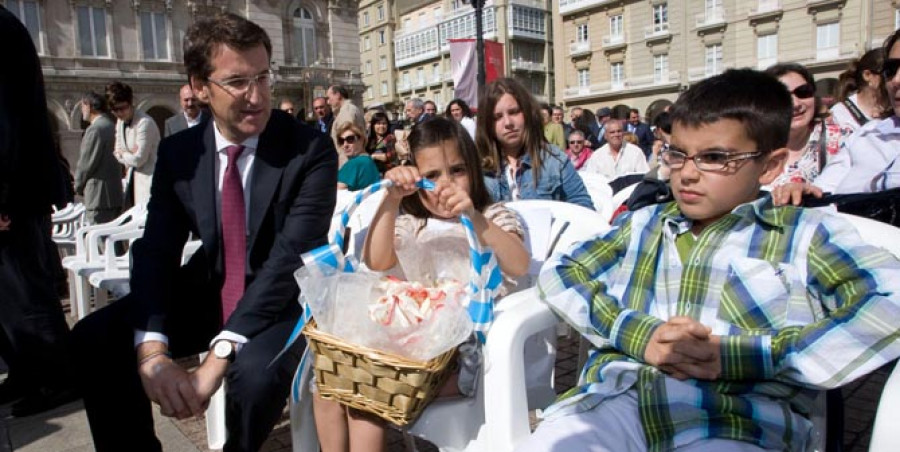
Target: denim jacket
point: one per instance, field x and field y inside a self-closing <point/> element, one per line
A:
<point x="559" y="181"/>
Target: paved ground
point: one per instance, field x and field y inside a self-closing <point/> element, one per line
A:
<point x="65" y="428"/>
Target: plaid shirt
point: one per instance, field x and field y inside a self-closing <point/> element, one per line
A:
<point x="801" y="302"/>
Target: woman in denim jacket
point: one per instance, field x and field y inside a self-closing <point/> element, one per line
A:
<point x="518" y="161"/>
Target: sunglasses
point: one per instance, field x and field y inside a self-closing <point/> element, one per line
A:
<point x="890" y="67"/>
<point x="576" y="141"/>
<point x="351" y="139"/>
<point x="804" y="91"/>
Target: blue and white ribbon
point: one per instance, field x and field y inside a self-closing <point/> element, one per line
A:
<point x="329" y="259"/>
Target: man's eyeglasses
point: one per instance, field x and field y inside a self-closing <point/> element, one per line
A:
<point x="704" y="161"/>
<point x="350" y="139"/>
<point x="240" y="85"/>
<point x="576" y="141"/>
<point x="804" y="91"/>
<point x="890" y="67"/>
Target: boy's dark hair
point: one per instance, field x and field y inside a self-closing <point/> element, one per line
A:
<point x="780" y="69"/>
<point x="757" y="100"/>
<point x="433" y="132"/>
<point x="467" y="112"/>
<point x="117" y="92"/>
<point x="95" y="101"/>
<point x="203" y="38"/>
<point x="345" y="94"/>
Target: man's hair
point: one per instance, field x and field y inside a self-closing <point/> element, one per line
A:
<point x="663" y="121"/>
<point x="429" y="102"/>
<point x="434" y="132"/>
<point x="95" y="101"/>
<point x="576" y="132"/>
<point x="342" y="91"/>
<point x="634" y="110"/>
<point x="780" y="69"/>
<point x="546" y="107"/>
<point x="533" y="140"/>
<point x="204" y="37"/>
<point x="117" y="92"/>
<point x="417" y="103"/>
<point x="757" y="100"/>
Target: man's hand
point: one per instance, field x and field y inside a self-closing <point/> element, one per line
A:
<point x="684" y="348"/>
<point x="167" y="384"/>
<point x="207" y="378"/>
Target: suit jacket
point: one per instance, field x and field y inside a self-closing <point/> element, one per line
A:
<point x="98" y="176"/>
<point x="136" y="149"/>
<point x="645" y="138"/>
<point x="178" y="123"/>
<point x="292" y="198"/>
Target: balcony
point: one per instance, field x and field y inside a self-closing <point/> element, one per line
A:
<point x="713" y="17"/>
<point x="578" y="48"/>
<point x="404" y="86"/>
<point x="613" y="41"/>
<point x="594" y="90"/>
<point x="764" y="8"/>
<point x="536" y="4"/>
<point x="702" y="72"/>
<point x="656" y="31"/>
<point x="649" y="81"/>
<point x="574" y="6"/>
<point x="531" y="66"/>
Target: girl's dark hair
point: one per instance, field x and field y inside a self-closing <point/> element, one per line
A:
<point x="851" y="80"/>
<point x="117" y="92"/>
<point x="890" y="41"/>
<point x="373" y="137"/>
<point x="533" y="140"/>
<point x="434" y="132"/>
<point x="780" y="69"/>
<point x="467" y="112"/>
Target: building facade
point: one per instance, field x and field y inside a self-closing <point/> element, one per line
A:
<point x="86" y="44"/>
<point x="643" y="53"/>
<point x="406" y="53"/>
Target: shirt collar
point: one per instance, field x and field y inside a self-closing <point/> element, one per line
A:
<point x="760" y="209"/>
<point x="222" y="143"/>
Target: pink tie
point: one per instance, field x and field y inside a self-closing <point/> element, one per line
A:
<point x="234" y="233"/>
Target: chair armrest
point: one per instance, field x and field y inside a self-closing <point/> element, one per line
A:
<point x="885" y="436"/>
<point x="506" y="405"/>
<point x="110" y="255"/>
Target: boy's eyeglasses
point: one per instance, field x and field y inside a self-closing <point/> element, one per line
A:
<point x="576" y="141"/>
<point x="350" y="139"/>
<point x="804" y="91"/>
<point x="705" y="161"/>
<point x="240" y="85"/>
<point x="890" y="67"/>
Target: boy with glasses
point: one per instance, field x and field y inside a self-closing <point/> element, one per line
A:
<point x="715" y="318"/>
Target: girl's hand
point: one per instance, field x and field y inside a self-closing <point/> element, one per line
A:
<point x="404" y="179"/>
<point x="451" y="199"/>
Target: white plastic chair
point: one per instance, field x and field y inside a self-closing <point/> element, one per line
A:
<point x="66" y="222"/>
<point x="601" y="193"/>
<point x="496" y="419"/>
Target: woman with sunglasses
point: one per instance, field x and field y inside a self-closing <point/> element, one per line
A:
<point x="861" y="95"/>
<point x="815" y="139"/>
<point x="577" y="151"/>
<point x="360" y="171"/>
<point x="380" y="144"/>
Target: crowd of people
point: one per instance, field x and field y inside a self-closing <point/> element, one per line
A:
<point x="709" y="312"/>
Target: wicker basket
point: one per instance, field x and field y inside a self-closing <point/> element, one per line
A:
<point x="390" y="386"/>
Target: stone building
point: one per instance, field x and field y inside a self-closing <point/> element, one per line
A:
<point x="643" y="53"/>
<point x="85" y="44"/>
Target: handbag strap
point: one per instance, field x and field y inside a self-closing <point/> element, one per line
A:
<point x="823" y="146"/>
<point x="857" y="114"/>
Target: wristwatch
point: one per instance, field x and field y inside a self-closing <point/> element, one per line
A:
<point x="224" y="349"/>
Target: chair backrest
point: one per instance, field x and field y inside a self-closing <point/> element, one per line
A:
<point x="876" y="233"/>
<point x="601" y="193"/>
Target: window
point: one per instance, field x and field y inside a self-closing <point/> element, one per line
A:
<point x="370" y="94"/>
<point x="897" y="19"/>
<point x="384" y="90"/>
<point x="368" y="67"/>
<point x="661" y="68"/>
<point x="381" y="38"/>
<point x="420" y="76"/>
<point x="382" y="63"/>
<point x="436" y="14"/>
<point x="713" y="60"/>
<point x="365" y="18"/>
<point x="617" y="75"/>
<point x="438" y="100"/>
<point x="367" y="43"/>
<point x="766" y="50"/>
<point x="581" y="33"/>
<point x="27" y="12"/>
<point x="827" y="40"/>
<point x="380" y="13"/>
<point x="660" y="17"/>
<point x="714" y="9"/>
<point x="303" y="48"/>
<point x="153" y="36"/>
<point x="584" y="78"/>
<point x="436" y="72"/>
<point x="528" y="20"/>
<point x="92" y="31"/>
<point x="616" y="27"/>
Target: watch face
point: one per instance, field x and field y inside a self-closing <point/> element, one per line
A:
<point x="223" y="349"/>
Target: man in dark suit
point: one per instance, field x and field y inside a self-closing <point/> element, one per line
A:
<point x="324" y="115"/>
<point x="33" y="330"/>
<point x="191" y="115"/>
<point x="641" y="130"/>
<point x="258" y="189"/>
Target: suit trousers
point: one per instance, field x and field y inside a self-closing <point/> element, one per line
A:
<point x="34" y="329"/>
<point x="118" y="409"/>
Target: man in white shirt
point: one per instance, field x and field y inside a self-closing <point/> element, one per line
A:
<point x="616" y="157"/>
